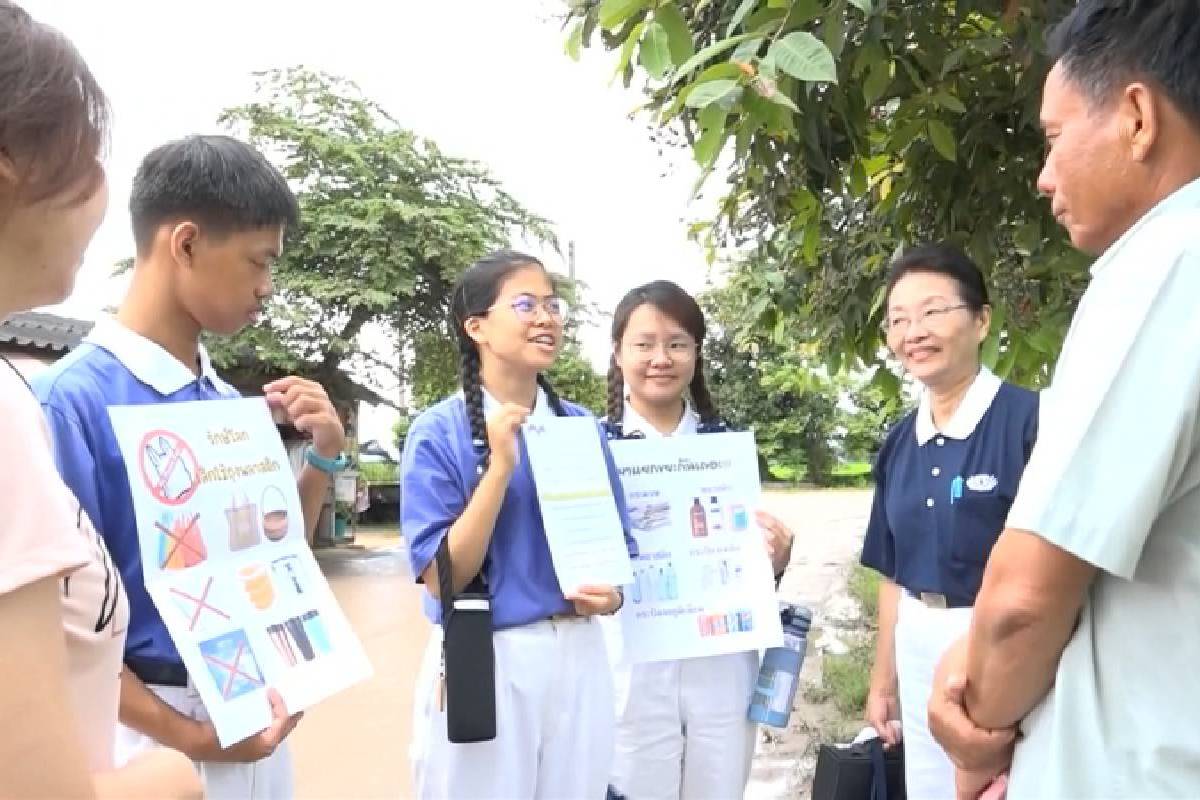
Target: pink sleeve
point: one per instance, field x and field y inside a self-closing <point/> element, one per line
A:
<point x="39" y="537"/>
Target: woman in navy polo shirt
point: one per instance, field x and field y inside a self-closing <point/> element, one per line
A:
<point x="944" y="480"/>
<point x="466" y="481"/>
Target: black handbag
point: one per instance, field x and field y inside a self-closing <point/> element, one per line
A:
<point x="864" y="771"/>
<point x="468" y="657"/>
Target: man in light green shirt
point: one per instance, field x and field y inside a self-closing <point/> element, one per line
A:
<point x="1086" y="632"/>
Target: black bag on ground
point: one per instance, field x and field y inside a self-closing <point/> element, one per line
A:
<point x="864" y="771"/>
<point x="468" y="658"/>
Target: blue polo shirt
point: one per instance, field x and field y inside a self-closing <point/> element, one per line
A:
<point x="438" y="474"/>
<point x="115" y="366"/>
<point x="942" y="496"/>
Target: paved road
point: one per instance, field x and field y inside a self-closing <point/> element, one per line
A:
<point x="355" y="745"/>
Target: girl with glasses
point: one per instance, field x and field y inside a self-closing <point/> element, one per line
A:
<point x="682" y="729"/>
<point x="466" y="482"/>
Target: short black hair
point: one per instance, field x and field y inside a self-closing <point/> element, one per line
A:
<point x="222" y="184"/>
<point x="1103" y="43"/>
<point x="942" y="258"/>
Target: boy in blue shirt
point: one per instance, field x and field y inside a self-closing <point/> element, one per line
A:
<point x="209" y="214"/>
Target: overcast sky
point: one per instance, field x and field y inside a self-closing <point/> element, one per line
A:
<point x="485" y="79"/>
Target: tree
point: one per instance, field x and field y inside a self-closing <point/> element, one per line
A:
<point x="850" y="128"/>
<point x="775" y="391"/>
<point x="387" y="222"/>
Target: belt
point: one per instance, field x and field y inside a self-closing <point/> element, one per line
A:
<point x="939" y="600"/>
<point x="158" y="673"/>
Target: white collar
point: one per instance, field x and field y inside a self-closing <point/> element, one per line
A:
<point x="633" y="422"/>
<point x="541" y="405"/>
<point x="1185" y="197"/>
<point x="974" y="405"/>
<point x="149" y="362"/>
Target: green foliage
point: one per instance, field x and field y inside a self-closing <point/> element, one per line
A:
<point x="575" y="379"/>
<point x="852" y="128"/>
<point x="378" y="472"/>
<point x="847" y="678"/>
<point x="387" y="222"/>
<point x="864" y="587"/>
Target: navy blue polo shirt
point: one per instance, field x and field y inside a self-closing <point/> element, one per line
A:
<point x="942" y="497"/>
<point x="115" y="366"/>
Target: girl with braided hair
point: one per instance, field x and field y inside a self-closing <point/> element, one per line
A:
<point x="682" y="730"/>
<point x="466" y="481"/>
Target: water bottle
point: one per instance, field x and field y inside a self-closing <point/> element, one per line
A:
<point x="775" y="690"/>
<point x="636" y="588"/>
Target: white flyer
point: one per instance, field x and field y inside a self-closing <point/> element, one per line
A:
<point x="583" y="526"/>
<point x="703" y="584"/>
<point x="226" y="561"/>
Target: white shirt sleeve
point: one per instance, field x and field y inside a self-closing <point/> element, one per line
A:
<point x="1118" y="424"/>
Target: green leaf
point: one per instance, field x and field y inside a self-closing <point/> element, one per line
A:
<point x="710" y="143"/>
<point x="781" y="99"/>
<point x="711" y="92"/>
<point x="575" y="42"/>
<point x="943" y="140"/>
<point x="709" y="53"/>
<point x="635" y="35"/>
<point x="613" y="13"/>
<point x="879" y="77"/>
<point x="948" y="101"/>
<point x="743" y="10"/>
<point x="835" y="28"/>
<point x="678" y="35"/>
<point x="804" y="57"/>
<point x="746" y="51"/>
<point x="655" y="51"/>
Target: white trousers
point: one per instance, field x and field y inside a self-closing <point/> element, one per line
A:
<point x="554" y="720"/>
<point x="922" y="635"/>
<point x="682" y="731"/>
<point x="269" y="779"/>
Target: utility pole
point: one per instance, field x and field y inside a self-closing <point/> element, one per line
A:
<point x="571" y="261"/>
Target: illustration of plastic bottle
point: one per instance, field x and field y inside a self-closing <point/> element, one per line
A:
<point x="672" y="583"/>
<point x="741" y="519"/>
<point x="699" y="523"/>
<point x="714" y="516"/>
<point x="635" y="591"/>
<point x="724" y="573"/>
<point x="775" y="690"/>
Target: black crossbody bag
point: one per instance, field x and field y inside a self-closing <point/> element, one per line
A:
<point x="468" y="657"/>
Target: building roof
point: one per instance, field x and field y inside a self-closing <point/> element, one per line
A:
<point x="41" y="331"/>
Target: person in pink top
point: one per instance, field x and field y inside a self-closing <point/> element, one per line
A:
<point x="62" y="607"/>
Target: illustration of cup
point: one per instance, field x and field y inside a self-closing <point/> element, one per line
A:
<point x="256" y="580"/>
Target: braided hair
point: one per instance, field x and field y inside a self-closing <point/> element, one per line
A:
<point x="472" y="296"/>
<point x="680" y="306"/>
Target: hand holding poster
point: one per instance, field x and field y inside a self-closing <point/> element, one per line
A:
<point x="226" y="562"/>
<point x="703" y="583"/>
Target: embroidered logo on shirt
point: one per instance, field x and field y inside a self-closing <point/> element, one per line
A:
<point x="982" y="483"/>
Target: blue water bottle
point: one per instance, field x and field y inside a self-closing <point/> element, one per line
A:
<point x="775" y="690"/>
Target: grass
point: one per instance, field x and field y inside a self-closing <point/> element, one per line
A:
<point x="846" y="678"/>
<point x="864" y="587"/>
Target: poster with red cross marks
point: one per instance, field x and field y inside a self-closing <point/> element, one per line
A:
<point x="226" y="561"/>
